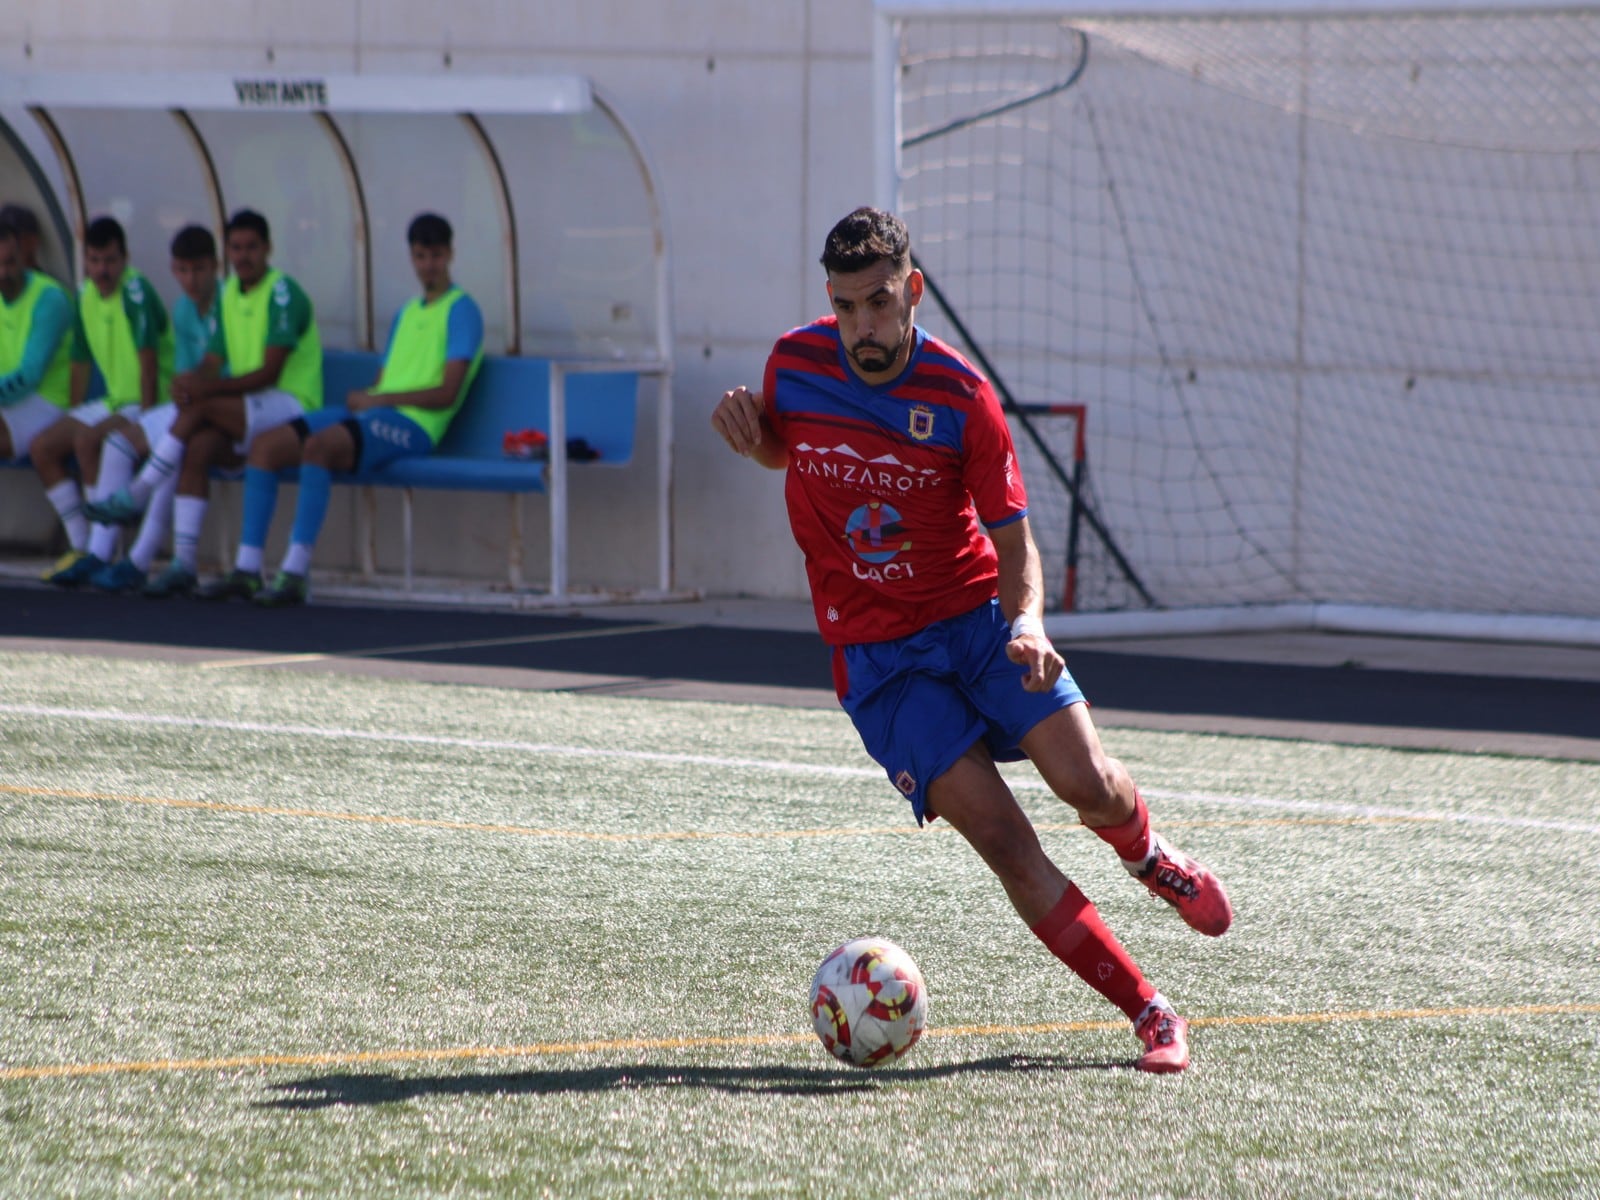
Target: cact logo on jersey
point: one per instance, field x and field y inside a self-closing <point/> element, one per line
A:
<point x="875" y="533"/>
<point x="877" y="537"/>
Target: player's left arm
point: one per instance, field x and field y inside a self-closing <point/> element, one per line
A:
<point x="289" y="319"/>
<point x="78" y="381"/>
<point x="82" y="359"/>
<point x="52" y="321"/>
<point x="204" y="386"/>
<point x="463" y="341"/>
<point x="147" y="318"/>
<point x="1021" y="586"/>
<point x="443" y="396"/>
<point x="149" y="378"/>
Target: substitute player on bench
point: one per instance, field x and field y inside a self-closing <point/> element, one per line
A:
<point x="194" y="322"/>
<point x="122" y="329"/>
<point x="36" y="375"/>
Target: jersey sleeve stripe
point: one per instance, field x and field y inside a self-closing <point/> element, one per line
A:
<point x="1009" y="519"/>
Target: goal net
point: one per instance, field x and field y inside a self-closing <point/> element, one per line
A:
<point x="1326" y="286"/>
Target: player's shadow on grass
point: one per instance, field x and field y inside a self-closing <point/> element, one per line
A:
<point x="324" y="1091"/>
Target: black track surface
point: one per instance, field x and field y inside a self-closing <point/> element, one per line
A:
<point x="724" y="655"/>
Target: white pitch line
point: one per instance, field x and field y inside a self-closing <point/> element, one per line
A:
<point x="1368" y="810"/>
<point x="570" y="635"/>
<point x="425" y="739"/>
<point x="758" y="764"/>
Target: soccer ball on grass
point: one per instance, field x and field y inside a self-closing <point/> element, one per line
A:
<point x="868" y="1002"/>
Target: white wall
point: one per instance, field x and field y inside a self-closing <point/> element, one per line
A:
<point x="756" y="116"/>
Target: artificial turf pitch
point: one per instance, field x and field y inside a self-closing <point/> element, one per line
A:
<point x="268" y="932"/>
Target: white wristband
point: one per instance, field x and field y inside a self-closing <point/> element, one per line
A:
<point x="1026" y="625"/>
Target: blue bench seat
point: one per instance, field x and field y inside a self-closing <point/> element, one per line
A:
<point x="509" y="394"/>
<point x="599" y="406"/>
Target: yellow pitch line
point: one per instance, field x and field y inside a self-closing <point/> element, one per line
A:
<point x="248" y="1062"/>
<point x="1317" y="1018"/>
<point x="653" y="835"/>
<point x="272" y="660"/>
<point x="448" y="1054"/>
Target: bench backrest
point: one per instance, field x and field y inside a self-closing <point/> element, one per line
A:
<point x="514" y="394"/>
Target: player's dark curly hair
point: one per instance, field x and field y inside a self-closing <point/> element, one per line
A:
<point x="104" y="232"/>
<point x="194" y="243"/>
<point x="20" y="219"/>
<point x="429" y="229"/>
<point x="864" y="238"/>
<point x="249" y="219"/>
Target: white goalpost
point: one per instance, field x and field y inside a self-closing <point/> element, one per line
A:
<point x="1298" y="307"/>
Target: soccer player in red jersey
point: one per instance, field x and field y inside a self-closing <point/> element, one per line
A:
<point x="905" y="497"/>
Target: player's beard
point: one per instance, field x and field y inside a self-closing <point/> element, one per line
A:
<point x="882" y="357"/>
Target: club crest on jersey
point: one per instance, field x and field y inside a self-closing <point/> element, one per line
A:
<point x="921" y="423"/>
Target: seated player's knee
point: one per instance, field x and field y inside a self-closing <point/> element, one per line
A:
<point x="275" y="449"/>
<point x="333" y="448"/>
<point x="318" y="450"/>
<point x="54" y="446"/>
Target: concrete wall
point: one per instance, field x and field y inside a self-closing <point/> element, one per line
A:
<point x="756" y="116"/>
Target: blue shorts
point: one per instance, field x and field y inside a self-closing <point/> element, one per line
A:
<point x="921" y="701"/>
<point x="381" y="434"/>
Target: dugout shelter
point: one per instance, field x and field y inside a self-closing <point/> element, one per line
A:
<point x="559" y="236"/>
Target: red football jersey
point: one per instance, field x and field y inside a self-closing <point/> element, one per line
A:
<point x="886" y="486"/>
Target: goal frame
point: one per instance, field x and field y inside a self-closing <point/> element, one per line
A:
<point x="1342" y="618"/>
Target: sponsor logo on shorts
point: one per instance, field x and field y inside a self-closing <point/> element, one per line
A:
<point x="906" y="782"/>
<point x="395" y="435"/>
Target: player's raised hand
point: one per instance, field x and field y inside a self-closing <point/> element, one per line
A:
<point x="737" y="418"/>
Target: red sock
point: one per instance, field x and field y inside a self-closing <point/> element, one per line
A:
<point x="1077" y="936"/>
<point x="1131" y="839"/>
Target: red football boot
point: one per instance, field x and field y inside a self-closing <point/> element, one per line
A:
<point x="1191" y="889"/>
<point x="1166" y="1041"/>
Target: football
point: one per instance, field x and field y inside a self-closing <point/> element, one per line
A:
<point x="868" y="1002"/>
